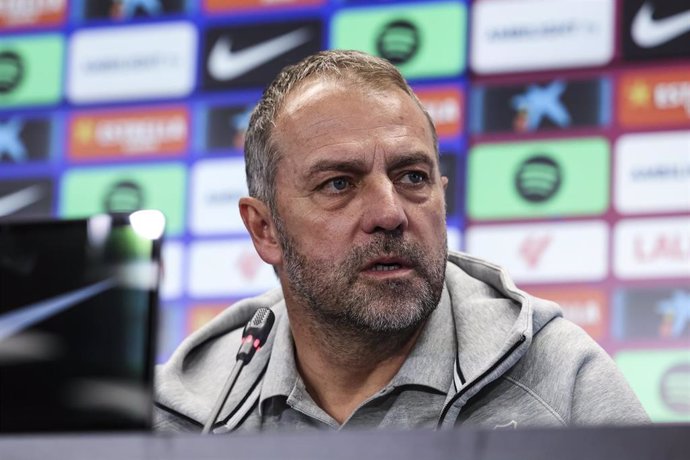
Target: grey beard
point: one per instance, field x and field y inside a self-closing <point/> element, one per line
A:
<point x="340" y="302"/>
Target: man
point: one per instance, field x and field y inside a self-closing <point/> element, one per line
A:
<point x="376" y="324"/>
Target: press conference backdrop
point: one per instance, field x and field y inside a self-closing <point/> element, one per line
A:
<point x="564" y="129"/>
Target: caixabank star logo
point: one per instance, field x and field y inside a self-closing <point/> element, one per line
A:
<point x="25" y="139"/>
<point x="643" y="313"/>
<point x="125" y="10"/>
<point x="558" y="104"/>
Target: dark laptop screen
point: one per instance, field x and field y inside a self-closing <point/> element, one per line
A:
<point x="77" y="314"/>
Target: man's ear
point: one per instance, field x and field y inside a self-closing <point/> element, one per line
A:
<point x="257" y="219"/>
<point x="444" y="182"/>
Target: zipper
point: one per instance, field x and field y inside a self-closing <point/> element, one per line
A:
<point x="493" y="367"/>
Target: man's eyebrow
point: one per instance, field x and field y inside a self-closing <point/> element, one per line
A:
<point x="410" y="159"/>
<point x="342" y="165"/>
<point x="359" y="166"/>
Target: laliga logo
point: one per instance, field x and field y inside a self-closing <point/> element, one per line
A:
<point x="675" y="313"/>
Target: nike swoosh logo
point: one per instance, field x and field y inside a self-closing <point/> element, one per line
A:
<point x="16" y="201"/>
<point x="23" y="317"/>
<point x="648" y="33"/>
<point x="225" y="64"/>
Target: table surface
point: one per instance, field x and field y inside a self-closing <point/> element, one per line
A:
<point x="651" y="442"/>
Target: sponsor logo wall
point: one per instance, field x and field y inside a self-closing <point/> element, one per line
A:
<point x="564" y="129"/>
<point x="578" y="172"/>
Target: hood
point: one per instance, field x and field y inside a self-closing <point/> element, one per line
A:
<point x="494" y="323"/>
<point x="494" y="326"/>
<point x="189" y="383"/>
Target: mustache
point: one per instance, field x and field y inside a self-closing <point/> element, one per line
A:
<point x="384" y="245"/>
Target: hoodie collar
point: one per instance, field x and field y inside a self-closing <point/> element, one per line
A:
<point x="429" y="363"/>
<point x="281" y="373"/>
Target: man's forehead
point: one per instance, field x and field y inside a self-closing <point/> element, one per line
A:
<point x="321" y="88"/>
<point x="327" y="116"/>
<point x="307" y="92"/>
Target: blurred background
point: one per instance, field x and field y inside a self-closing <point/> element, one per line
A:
<point x="564" y="129"/>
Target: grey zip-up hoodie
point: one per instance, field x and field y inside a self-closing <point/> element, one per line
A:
<point x="519" y="363"/>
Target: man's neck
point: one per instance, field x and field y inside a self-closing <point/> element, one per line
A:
<point x="342" y="370"/>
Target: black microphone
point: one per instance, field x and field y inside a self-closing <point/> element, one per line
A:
<point x="253" y="337"/>
<point x="255" y="334"/>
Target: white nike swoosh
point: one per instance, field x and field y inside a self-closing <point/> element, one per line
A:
<point x="224" y="64"/>
<point x="20" y="199"/>
<point x="23" y="317"/>
<point x="648" y="33"/>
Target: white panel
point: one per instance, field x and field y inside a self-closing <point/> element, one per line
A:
<point x="133" y="62"/>
<point x="652" y="248"/>
<point x="228" y="268"/>
<point x="216" y="188"/>
<point x="544" y="252"/>
<point x="513" y="36"/>
<point x="653" y="172"/>
<point x="173" y="262"/>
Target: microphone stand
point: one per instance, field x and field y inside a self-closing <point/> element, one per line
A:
<point x="253" y="337"/>
<point x="220" y="402"/>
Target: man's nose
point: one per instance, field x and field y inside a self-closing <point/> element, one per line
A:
<point x="383" y="208"/>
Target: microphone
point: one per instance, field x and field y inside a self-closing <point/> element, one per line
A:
<point x="254" y="336"/>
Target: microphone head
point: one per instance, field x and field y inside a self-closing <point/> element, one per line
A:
<point x="255" y="333"/>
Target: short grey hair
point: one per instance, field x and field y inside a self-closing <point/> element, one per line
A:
<point x="261" y="153"/>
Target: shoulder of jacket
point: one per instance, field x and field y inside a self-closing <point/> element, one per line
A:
<point x="189" y="381"/>
<point x="552" y="367"/>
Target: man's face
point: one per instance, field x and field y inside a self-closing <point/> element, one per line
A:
<point x="361" y="212"/>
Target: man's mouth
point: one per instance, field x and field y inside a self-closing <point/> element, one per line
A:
<point x="385" y="267"/>
<point x="387" y="264"/>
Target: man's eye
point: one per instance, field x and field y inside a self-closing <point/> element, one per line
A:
<point x="339" y="184"/>
<point x="414" y="177"/>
